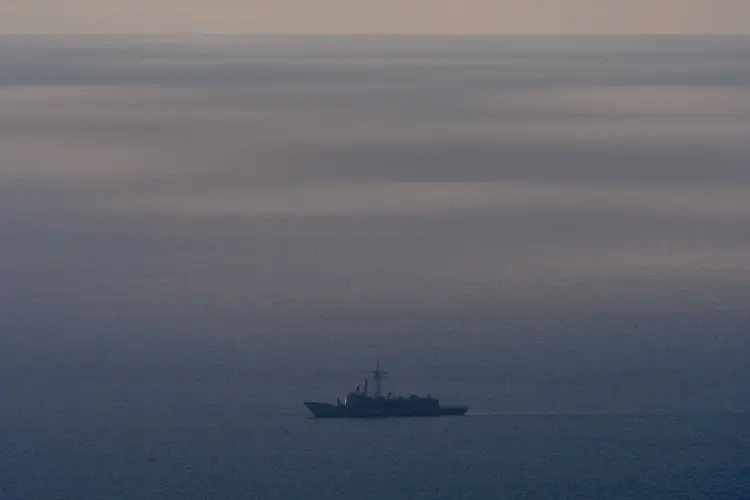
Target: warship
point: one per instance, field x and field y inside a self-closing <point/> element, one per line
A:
<point x="359" y="404"/>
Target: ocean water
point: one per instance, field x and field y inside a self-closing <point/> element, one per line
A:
<point x="198" y="234"/>
<point x="477" y="456"/>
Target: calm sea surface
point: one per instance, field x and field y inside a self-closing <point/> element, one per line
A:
<point x="478" y="456"/>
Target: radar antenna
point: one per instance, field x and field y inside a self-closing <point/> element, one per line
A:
<point x="378" y="376"/>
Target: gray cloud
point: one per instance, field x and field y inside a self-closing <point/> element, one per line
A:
<point x="497" y="164"/>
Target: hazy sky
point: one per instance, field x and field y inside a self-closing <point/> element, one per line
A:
<point x="471" y="171"/>
<point x="200" y="210"/>
<point x="382" y="16"/>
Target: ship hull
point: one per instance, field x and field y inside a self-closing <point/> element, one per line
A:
<point x="325" y="410"/>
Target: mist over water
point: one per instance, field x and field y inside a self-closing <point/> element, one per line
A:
<point x="199" y="233"/>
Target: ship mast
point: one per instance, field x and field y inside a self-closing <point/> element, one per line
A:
<point x="378" y="375"/>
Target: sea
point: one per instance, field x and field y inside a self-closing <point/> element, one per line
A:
<point x="200" y="233"/>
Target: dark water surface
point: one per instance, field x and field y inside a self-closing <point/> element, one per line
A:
<point x="477" y="456"/>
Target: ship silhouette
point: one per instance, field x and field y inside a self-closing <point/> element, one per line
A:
<point x="359" y="404"/>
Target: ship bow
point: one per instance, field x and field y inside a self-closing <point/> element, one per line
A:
<point x="324" y="410"/>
